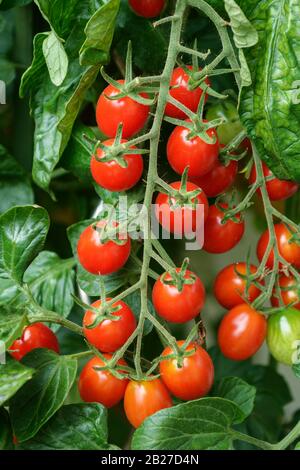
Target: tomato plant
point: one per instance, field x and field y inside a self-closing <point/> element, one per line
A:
<point x="105" y="250"/>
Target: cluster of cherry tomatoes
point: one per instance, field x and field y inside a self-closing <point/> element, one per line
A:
<point x="187" y="371"/>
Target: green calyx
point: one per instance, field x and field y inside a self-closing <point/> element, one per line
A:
<point x="178" y="278"/>
<point x="182" y="197"/>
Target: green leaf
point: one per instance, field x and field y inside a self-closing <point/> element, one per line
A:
<point x="42" y="396"/>
<point x="296" y="370"/>
<point x="225" y="367"/>
<point x="244" y="34"/>
<point x="238" y="391"/>
<point x="13" y="375"/>
<point x="7" y="4"/>
<point x="51" y="281"/>
<point x="246" y="79"/>
<point x="133" y="196"/>
<point x="7" y="71"/>
<point x="6" y="437"/>
<point x="23" y="232"/>
<point x="95" y="49"/>
<point x="60" y="14"/>
<point x="77" y="156"/>
<point x="297" y="446"/>
<point x="56" y="58"/>
<point x="11" y="325"/>
<point x="73" y="427"/>
<point x="197" y="425"/>
<point x="268" y="110"/>
<point x="15" y="187"/>
<point x="134" y="302"/>
<point x="88" y="282"/>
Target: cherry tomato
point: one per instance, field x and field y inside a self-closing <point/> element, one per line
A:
<point x="230" y="288"/>
<point x="102" y="258"/>
<point x="111" y="175"/>
<point x="242" y="332"/>
<point x="193" y="379"/>
<point x="181" y="91"/>
<point x="110" y="334"/>
<point x="198" y="155"/>
<point x="221" y="237"/>
<point x="180" y="220"/>
<point x="289" y="292"/>
<point x="278" y="190"/>
<point x="111" y="112"/>
<point x="178" y="306"/>
<point x="34" y="336"/>
<point x="147" y="8"/>
<point x="144" y="398"/>
<point x="101" y="386"/>
<point x="283" y="336"/>
<point x="290" y="251"/>
<point x="232" y="126"/>
<point x="218" y="180"/>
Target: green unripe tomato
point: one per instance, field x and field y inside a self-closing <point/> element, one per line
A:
<point x="283" y="335"/>
<point x="232" y="126"/>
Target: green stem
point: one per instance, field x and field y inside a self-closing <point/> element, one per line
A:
<point x="252" y="440"/>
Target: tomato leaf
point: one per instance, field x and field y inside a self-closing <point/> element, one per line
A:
<point x="51" y="282"/>
<point x="209" y="421"/>
<point x="238" y="391"/>
<point x="15" y="187"/>
<point x="22" y="234"/>
<point x="42" y="396"/>
<point x="13" y="375"/>
<point x="244" y="34"/>
<point x="11" y="324"/>
<point x="73" y="427"/>
<point x="134" y="302"/>
<point x="95" y="48"/>
<point x="56" y="58"/>
<point x="269" y="108"/>
<point x="88" y="282"/>
<point x="6" y="437"/>
<point x="77" y="156"/>
<point x="296" y="370"/>
<point x="7" y="4"/>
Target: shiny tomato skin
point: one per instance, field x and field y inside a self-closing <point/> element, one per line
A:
<point x="34" y="336"/>
<point x="188" y="217"/>
<point x="191" y="381"/>
<point x="109" y="335"/>
<point x="110" y="113"/>
<point x="289" y="251"/>
<point x="229" y="287"/>
<point x="147" y="8"/>
<point x="218" y="237"/>
<point x="290" y="295"/>
<point x="283" y="335"/>
<point x="242" y="332"/>
<point x="100" y="386"/>
<point x="112" y="176"/>
<point x="181" y="92"/>
<point x="278" y="190"/>
<point x="218" y="180"/>
<point x="144" y="398"/>
<point x="195" y="153"/>
<point x="175" y="306"/>
<point x="101" y="258"/>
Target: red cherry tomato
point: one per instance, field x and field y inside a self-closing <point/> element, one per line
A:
<point x="218" y="180"/>
<point x="110" y="334"/>
<point x="101" y="386"/>
<point x="144" y="398"/>
<point x="111" y="112"/>
<point x="178" y="306"/>
<point x="230" y="288"/>
<point x="111" y="175"/>
<point x="278" y="190"/>
<point x="219" y="237"/>
<point x="180" y="220"/>
<point x="102" y="258"/>
<point x="290" y="251"/>
<point x="147" y="8"/>
<point x="193" y="379"/>
<point x="290" y="292"/>
<point x="181" y="91"/>
<point x="242" y="332"/>
<point x="34" y="336"/>
<point x="198" y="155"/>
